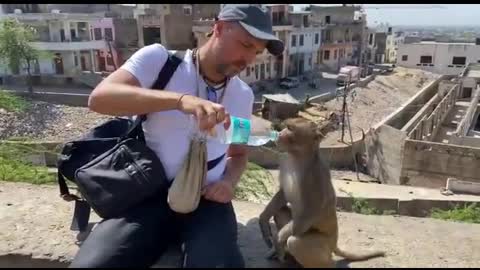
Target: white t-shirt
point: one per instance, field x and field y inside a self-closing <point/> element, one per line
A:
<point x="168" y="133"/>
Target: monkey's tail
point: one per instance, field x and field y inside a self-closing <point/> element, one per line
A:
<point x="358" y="257"/>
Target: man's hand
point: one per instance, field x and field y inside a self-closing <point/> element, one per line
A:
<point x="221" y="191"/>
<point x="208" y="113"/>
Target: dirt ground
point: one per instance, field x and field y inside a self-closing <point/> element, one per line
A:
<point x="377" y="100"/>
<point x="35" y="224"/>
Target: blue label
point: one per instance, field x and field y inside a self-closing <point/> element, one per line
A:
<point x="241" y="130"/>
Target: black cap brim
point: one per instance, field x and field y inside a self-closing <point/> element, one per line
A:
<point x="274" y="45"/>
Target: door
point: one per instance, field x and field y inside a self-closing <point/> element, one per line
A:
<point x="101" y="62"/>
<point x="83" y="62"/>
<point x="62" y="35"/>
<point x="58" y="63"/>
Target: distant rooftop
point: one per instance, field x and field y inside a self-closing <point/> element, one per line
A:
<point x="446" y="43"/>
<point x="287" y="98"/>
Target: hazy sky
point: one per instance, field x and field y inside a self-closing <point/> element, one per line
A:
<point x="449" y="15"/>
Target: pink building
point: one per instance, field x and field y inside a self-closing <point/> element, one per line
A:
<point x="107" y="59"/>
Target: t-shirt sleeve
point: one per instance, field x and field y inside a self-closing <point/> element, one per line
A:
<point x="146" y="63"/>
<point x="245" y="106"/>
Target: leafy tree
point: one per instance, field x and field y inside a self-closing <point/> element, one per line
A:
<point x="16" y="49"/>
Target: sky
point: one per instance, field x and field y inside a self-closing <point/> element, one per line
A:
<point x="449" y="15"/>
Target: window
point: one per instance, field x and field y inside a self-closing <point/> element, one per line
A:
<point x="301" y="40"/>
<point x="187" y="10"/>
<point x="294" y="40"/>
<point x="317" y="38"/>
<point x="108" y="34"/>
<point x="459" y="60"/>
<point x="341" y="53"/>
<point x="404" y="57"/>
<point x="248" y="71"/>
<point x="370" y="39"/>
<point x="97" y="33"/>
<point x="327" y="19"/>
<point x="326" y="55"/>
<point x="310" y="61"/>
<point x="76" y="59"/>
<point x="268" y="67"/>
<point x="425" y="59"/>
<point x="335" y="54"/>
<point x="256" y="72"/>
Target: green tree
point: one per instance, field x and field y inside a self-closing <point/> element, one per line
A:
<point x="16" y="49"/>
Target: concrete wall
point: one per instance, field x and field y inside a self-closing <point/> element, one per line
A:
<point x="426" y="129"/>
<point x="442" y="56"/>
<point x="384" y="147"/>
<point x="337" y="14"/>
<point x="403" y="115"/>
<point x="78" y="100"/>
<point x="443" y="160"/>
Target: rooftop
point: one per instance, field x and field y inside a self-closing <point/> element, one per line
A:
<point x="287" y="98"/>
<point x="446" y="43"/>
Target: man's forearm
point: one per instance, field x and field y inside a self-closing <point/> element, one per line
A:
<point x="236" y="165"/>
<point x="124" y="99"/>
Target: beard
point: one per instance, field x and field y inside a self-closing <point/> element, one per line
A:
<point x="230" y="70"/>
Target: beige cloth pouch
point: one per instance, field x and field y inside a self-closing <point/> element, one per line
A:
<point x="185" y="192"/>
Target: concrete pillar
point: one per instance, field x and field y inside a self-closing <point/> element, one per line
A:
<point x="92" y="60"/>
<point x="140" y="31"/>
<point x="66" y="27"/>
<point x="163" y="31"/>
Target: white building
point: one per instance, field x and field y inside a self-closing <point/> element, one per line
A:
<point x="303" y="49"/>
<point x="69" y="38"/>
<point x="442" y="58"/>
<point x="391" y="48"/>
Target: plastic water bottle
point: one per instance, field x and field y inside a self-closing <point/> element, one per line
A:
<point x="240" y="132"/>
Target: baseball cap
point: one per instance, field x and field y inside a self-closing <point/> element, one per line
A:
<point x="256" y="22"/>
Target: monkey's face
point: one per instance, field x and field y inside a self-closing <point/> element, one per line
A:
<point x="298" y="136"/>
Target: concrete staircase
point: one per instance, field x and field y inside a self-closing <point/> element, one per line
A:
<point x="451" y="122"/>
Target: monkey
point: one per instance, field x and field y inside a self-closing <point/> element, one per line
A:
<point x="304" y="208"/>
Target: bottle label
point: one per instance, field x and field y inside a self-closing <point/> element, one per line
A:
<point x="240" y="130"/>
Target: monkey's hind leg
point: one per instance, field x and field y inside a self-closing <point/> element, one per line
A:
<point x="311" y="250"/>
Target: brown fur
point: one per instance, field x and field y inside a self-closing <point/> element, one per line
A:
<point x="307" y="227"/>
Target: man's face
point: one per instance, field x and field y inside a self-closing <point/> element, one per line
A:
<point x="235" y="48"/>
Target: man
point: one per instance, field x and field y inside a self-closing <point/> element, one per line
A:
<point x="209" y="234"/>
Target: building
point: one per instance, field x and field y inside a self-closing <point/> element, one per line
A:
<point x="394" y="39"/>
<point x="437" y="57"/>
<point x="371" y="46"/>
<point x="303" y="48"/>
<point x="74" y="40"/>
<point x="433" y="137"/>
<point x="343" y="36"/>
<point x="171" y="24"/>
